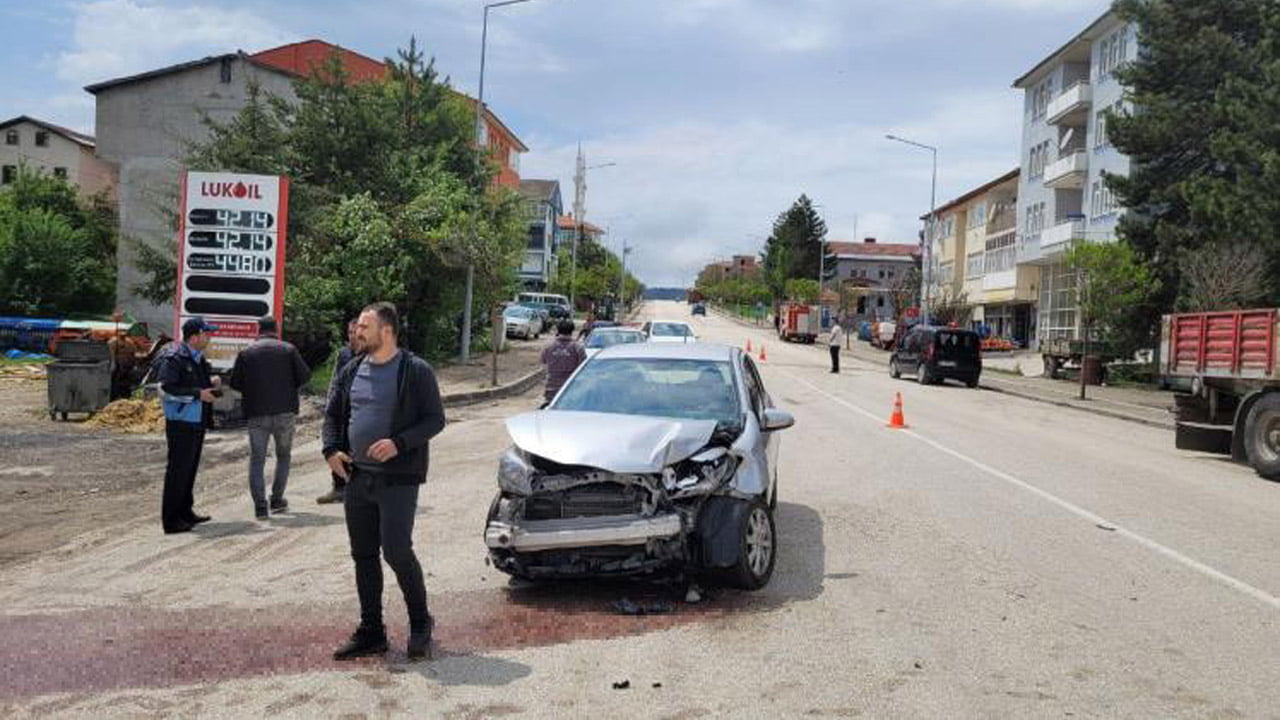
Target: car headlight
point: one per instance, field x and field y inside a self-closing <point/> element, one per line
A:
<point x="702" y="474"/>
<point x="515" y="474"/>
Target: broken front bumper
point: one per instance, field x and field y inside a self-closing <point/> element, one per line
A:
<point x="537" y="535"/>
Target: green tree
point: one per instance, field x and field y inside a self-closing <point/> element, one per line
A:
<point x="1111" y="280"/>
<point x="801" y="230"/>
<point x="57" y="251"/>
<point x="1207" y="181"/>
<point x="803" y="290"/>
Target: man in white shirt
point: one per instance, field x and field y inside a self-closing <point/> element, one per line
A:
<point x="834" y="342"/>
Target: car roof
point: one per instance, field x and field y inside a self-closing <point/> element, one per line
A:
<point x="670" y="322"/>
<point x="672" y="351"/>
<point x="615" y="329"/>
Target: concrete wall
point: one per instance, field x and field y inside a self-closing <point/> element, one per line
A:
<point x="145" y="129"/>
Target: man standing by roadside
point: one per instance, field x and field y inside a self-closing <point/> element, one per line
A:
<point x="269" y="374"/>
<point x="187" y="383"/>
<point x="834" y="342"/>
<point x="561" y="357"/>
<point x="383" y="409"/>
<point x="345" y="355"/>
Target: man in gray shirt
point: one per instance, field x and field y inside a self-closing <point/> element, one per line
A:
<point x="382" y="412"/>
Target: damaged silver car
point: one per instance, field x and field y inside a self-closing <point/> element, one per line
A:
<point x="651" y="457"/>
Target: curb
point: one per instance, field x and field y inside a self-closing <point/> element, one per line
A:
<point x="1161" y="424"/>
<point x="517" y="387"/>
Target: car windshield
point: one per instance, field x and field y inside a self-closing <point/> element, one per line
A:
<point x="517" y="312"/>
<point x="605" y="338"/>
<point x="661" y="329"/>
<point x="659" y="387"/>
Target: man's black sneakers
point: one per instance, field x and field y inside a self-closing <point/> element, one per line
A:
<point x="279" y="505"/>
<point x="364" y="642"/>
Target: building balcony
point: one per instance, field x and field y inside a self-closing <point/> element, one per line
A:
<point x="1057" y="239"/>
<point x="1067" y="172"/>
<point x="1071" y="107"/>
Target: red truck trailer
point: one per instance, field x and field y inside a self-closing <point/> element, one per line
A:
<point x="1231" y="362"/>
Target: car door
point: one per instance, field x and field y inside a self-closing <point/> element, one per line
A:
<point x="766" y="451"/>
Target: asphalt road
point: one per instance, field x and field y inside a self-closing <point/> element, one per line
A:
<point x="1001" y="558"/>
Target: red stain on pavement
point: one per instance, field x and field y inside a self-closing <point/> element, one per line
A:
<point x="116" y="648"/>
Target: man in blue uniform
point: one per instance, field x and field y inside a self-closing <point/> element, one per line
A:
<point x="187" y="384"/>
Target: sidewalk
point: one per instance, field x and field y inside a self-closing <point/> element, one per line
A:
<point x="1145" y="406"/>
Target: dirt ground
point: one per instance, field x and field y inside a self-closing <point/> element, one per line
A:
<point x="59" y="479"/>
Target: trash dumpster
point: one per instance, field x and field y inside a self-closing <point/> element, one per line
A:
<point x="80" y="379"/>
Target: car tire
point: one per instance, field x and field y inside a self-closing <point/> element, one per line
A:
<point x="922" y="374"/>
<point x="1262" y="436"/>
<point x="972" y="382"/>
<point x="895" y="372"/>
<point x="758" y="551"/>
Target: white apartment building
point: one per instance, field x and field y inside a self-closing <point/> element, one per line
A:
<point x="53" y="150"/>
<point x="1062" y="198"/>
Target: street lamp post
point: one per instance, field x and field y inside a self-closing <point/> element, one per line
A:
<point x="465" y="353"/>
<point x="933" y="226"/>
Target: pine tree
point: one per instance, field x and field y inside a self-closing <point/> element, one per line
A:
<point x="1202" y="139"/>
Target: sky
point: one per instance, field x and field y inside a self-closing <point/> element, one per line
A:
<point x="717" y="114"/>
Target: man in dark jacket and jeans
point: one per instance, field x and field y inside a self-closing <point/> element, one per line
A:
<point x="269" y="373"/>
<point x="381" y="413"/>
<point x="187" y="383"/>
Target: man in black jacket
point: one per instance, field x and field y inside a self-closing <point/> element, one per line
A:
<point x="381" y="413"/>
<point x="187" y="383"/>
<point x="269" y="373"/>
<point x="348" y="353"/>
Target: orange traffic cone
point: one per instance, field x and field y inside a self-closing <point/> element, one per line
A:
<point x="748" y="345"/>
<point x="897" y="421"/>
<point x="762" y="355"/>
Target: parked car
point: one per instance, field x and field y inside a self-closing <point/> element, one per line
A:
<point x="544" y="313"/>
<point x="668" y="331"/>
<point x="883" y="334"/>
<point x="601" y="338"/>
<point x="557" y="306"/>
<point x="934" y="354"/>
<point x="698" y="309"/>
<point x="522" y="322"/>
<point x="650" y="458"/>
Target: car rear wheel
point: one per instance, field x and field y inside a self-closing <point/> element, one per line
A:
<point x="758" y="551"/>
<point x="922" y="374"/>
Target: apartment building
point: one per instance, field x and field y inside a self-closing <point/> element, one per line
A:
<point x="543" y="207"/>
<point x="873" y="268"/>
<point x="146" y="122"/>
<point x="1062" y="198"/>
<point x="54" y="150"/>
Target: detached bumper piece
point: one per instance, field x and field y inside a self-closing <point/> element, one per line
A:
<point x="538" y="535"/>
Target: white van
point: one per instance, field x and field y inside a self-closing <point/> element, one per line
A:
<point x="547" y="299"/>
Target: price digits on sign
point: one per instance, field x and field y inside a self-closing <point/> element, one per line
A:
<point x="239" y="219"/>
<point x="220" y="240"/>
<point x="227" y="262"/>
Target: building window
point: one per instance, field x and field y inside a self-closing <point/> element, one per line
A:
<point x="224" y="71"/>
<point x="1040" y="99"/>
<point x="879" y="301"/>
<point x="978" y="215"/>
<point x="8" y="174"/>
<point x="1100" y="128"/>
<point x="60" y="172"/>
<point x="42" y="138"/>
<point x="973" y="267"/>
<point x="1038" y="159"/>
<point x="1112" y="52"/>
<point x="1001" y="252"/>
<point x="11" y="137"/>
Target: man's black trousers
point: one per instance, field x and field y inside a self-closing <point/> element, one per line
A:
<point x="380" y="517"/>
<point x="185" y="442"/>
<point x="835" y="358"/>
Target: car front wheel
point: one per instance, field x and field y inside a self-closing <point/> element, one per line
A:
<point x="758" y="551"/>
<point x="894" y="371"/>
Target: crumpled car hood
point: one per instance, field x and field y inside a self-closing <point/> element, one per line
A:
<point x="616" y="443"/>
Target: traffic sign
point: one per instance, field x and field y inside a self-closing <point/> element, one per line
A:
<point x="231" y="256"/>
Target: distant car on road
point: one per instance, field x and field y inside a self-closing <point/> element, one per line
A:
<point x="522" y="322"/>
<point x="651" y="457"/>
<point x="935" y="354"/>
<point x="601" y="338"/>
<point x="669" y="331"/>
<point x="698" y="309"/>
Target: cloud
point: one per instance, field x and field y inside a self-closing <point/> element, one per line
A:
<point x="119" y="37"/>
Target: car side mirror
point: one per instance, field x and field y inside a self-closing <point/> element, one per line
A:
<point x="775" y="419"/>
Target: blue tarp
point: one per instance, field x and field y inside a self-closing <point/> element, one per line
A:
<point x="20" y="355"/>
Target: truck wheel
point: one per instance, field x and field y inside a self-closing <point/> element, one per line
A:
<point x="1262" y="436"/>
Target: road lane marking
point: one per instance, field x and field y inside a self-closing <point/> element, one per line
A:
<point x="1097" y="520"/>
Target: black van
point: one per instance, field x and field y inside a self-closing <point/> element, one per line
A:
<point x="938" y="353"/>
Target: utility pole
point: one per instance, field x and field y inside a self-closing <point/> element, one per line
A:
<point x="622" y="275"/>
<point x="927" y="275"/>
<point x="579" y="213"/>
<point x="481" y="151"/>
